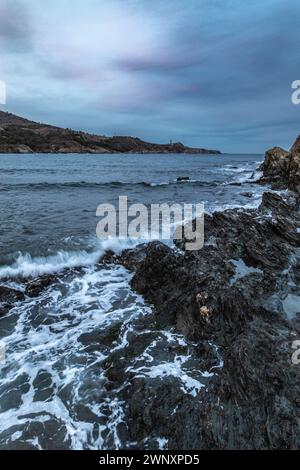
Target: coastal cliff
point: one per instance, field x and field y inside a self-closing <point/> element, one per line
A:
<point x="19" y="135"/>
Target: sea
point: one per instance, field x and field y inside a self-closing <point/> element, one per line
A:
<point x="54" y="391"/>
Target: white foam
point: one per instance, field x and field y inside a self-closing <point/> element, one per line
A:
<point x="27" y="266"/>
<point x="189" y="381"/>
<point x="163" y="183"/>
<point x="54" y="347"/>
<point x="174" y="369"/>
<point x="162" y="443"/>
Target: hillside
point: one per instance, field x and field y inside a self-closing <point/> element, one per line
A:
<point x="19" y="135"/>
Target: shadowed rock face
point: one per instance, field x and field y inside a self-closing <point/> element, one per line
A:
<point x="19" y="135"/>
<point x="282" y="168"/>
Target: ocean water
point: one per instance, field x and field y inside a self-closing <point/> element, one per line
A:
<point x="55" y="391"/>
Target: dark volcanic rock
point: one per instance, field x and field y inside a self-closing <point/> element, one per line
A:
<point x="231" y="295"/>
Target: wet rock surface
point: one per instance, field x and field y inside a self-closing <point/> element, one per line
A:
<point x="8" y="298"/>
<point x="228" y="300"/>
<point x="36" y="286"/>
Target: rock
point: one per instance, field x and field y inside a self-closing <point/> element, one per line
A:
<point x="247" y="194"/>
<point x="229" y="294"/>
<point x="287" y="207"/>
<point x="294" y="170"/>
<point x="276" y="165"/>
<point x="10" y="295"/>
<point x="8" y="298"/>
<point x="281" y="168"/>
<point x="23" y="149"/>
<point x="183" y="178"/>
<point x="132" y="258"/>
<point x="108" y="257"/>
<point x="36" y="286"/>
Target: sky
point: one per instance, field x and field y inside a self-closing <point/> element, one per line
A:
<point x="208" y="73"/>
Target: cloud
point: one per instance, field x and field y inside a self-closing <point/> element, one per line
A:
<point x="208" y="72"/>
<point x="15" y="28"/>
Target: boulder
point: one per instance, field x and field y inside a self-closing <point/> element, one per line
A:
<point x="281" y="169"/>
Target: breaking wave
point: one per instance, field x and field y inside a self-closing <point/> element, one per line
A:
<point x="25" y="266"/>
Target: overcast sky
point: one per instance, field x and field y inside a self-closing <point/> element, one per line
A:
<point x="211" y="73"/>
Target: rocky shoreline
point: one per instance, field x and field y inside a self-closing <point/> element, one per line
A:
<point x="234" y="306"/>
<point x="235" y="294"/>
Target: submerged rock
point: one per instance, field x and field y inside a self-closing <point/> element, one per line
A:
<point x="183" y="178"/>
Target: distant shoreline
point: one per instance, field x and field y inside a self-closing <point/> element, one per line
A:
<point x="20" y="135"/>
<point x="110" y="153"/>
